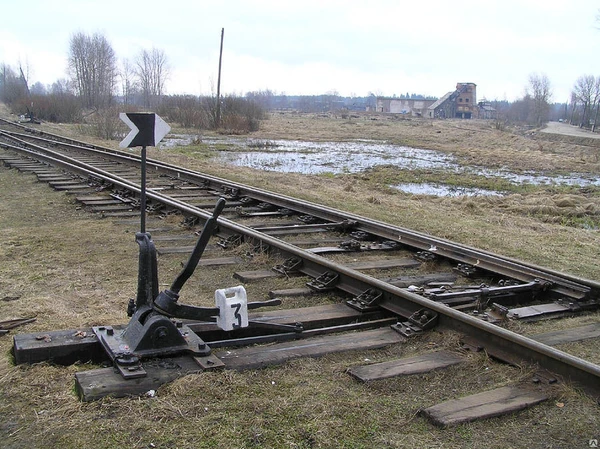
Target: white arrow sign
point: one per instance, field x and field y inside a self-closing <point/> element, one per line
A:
<point x="147" y="129"/>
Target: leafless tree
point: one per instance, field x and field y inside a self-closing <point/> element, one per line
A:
<point x="12" y="86"/>
<point x="93" y="69"/>
<point x="540" y="93"/>
<point x="38" y="88"/>
<point x="61" y="86"/>
<point x="596" y="103"/>
<point x="152" y="70"/>
<point x="128" y="81"/>
<point x="24" y="71"/>
<point x="586" y="92"/>
<point x="265" y="98"/>
<point x="520" y="110"/>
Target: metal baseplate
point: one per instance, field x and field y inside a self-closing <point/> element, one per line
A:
<point x="158" y="336"/>
<point x="425" y="256"/>
<point x="418" y="322"/>
<point x="466" y="270"/>
<point x="231" y="241"/>
<point x="324" y="282"/>
<point x="367" y="301"/>
<point x="289" y="266"/>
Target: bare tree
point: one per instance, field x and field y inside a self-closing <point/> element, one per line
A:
<point x="152" y="71"/>
<point x="93" y="69"/>
<point x="38" y="89"/>
<point x="583" y="92"/>
<point x="586" y="92"/>
<point x="265" y="98"/>
<point x="540" y="93"/>
<point x="24" y="75"/>
<point x="520" y="110"/>
<point x="61" y="86"/>
<point x="128" y="81"/>
<point x="12" y="86"/>
<point x="596" y="103"/>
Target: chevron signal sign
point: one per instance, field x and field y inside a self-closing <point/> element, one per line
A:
<point x="147" y="129"/>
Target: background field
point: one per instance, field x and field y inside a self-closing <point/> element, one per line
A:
<point x="73" y="269"/>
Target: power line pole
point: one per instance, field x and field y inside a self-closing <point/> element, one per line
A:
<point x="219" y="81"/>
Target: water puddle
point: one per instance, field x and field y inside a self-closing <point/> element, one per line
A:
<point x="294" y="156"/>
<point x="536" y="178"/>
<point x="444" y="190"/>
<point x="178" y="140"/>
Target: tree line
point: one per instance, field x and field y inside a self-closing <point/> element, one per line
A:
<point x="585" y="102"/>
<point x="535" y="107"/>
<point x="98" y="85"/>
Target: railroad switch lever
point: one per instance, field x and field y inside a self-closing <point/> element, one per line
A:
<point x="154" y="329"/>
<point x="166" y="301"/>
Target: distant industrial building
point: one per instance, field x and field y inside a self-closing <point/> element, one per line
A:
<point x="414" y="107"/>
<point x="487" y="111"/>
<point x="460" y="103"/>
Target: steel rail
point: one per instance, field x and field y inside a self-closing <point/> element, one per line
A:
<point x="397" y="300"/>
<point x="564" y="284"/>
<point x="576" y="288"/>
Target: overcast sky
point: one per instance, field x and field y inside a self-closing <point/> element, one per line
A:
<point x="310" y="47"/>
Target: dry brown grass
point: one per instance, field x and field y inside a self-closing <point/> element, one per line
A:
<point x="72" y="269"/>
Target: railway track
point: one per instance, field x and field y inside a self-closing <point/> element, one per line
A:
<point x="463" y="288"/>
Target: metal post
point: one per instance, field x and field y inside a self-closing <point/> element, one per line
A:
<point x="143" y="193"/>
<point x="219" y="82"/>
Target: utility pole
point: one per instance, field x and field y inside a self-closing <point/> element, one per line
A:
<point x="219" y="81"/>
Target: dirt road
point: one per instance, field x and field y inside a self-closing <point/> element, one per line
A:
<point x="568" y="130"/>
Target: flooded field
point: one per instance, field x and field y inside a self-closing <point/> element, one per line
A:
<point x="305" y="157"/>
<point x="426" y="188"/>
<point x="295" y="156"/>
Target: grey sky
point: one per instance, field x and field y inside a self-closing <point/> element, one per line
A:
<point x="313" y="47"/>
